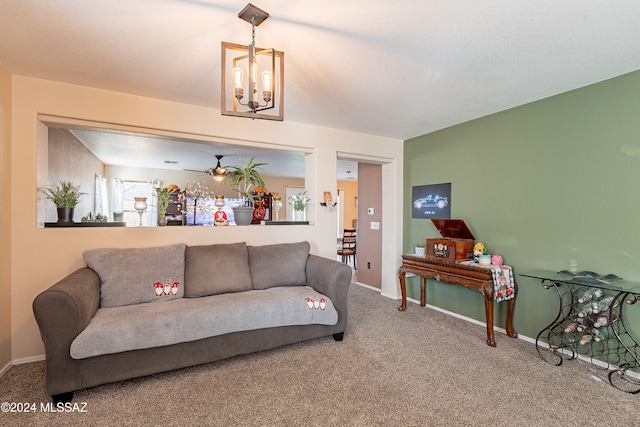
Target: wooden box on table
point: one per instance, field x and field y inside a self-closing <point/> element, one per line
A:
<point x="456" y="243"/>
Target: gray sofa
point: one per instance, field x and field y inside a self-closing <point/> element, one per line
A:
<point x="136" y="312"/>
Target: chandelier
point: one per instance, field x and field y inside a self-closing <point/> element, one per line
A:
<point x="252" y="77"/>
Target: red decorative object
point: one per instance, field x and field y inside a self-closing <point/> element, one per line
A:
<point x="259" y="211"/>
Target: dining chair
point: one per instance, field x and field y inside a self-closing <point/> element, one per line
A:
<point x="347" y="248"/>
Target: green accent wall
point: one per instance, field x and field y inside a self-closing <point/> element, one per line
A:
<point x="554" y="184"/>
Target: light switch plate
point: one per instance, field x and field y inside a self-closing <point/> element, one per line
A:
<point x="375" y="225"/>
<point x="369" y="211"/>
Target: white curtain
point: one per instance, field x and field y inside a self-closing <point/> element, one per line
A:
<point x="153" y="204"/>
<point x="101" y="199"/>
<point x="117" y="199"/>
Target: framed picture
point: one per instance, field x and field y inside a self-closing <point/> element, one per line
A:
<point x="431" y="201"/>
<point x="326" y="195"/>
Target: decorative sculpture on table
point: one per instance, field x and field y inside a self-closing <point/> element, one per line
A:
<point x="478" y="250"/>
<point x="220" y="218"/>
<point x="481" y="255"/>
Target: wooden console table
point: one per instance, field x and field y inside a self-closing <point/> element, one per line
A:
<point x="453" y="273"/>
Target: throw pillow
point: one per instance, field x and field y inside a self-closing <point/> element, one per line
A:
<point x="216" y="269"/>
<point x="283" y="264"/>
<point x="133" y="276"/>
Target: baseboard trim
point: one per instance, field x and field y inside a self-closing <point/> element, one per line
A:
<point x="368" y="287"/>
<point x="471" y="320"/>
<point x="6" y="368"/>
<point x="29" y="359"/>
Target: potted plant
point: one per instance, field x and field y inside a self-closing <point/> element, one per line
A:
<point x="66" y="196"/>
<point x="164" y="196"/>
<point x="298" y="203"/>
<point x="243" y="179"/>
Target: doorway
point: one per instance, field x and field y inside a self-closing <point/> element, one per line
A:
<point x="360" y="208"/>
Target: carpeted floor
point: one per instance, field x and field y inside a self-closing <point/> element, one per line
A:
<point x="417" y="368"/>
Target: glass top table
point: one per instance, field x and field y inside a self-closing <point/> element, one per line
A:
<point x="585" y="279"/>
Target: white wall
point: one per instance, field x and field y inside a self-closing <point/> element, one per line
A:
<point x="5" y="219"/>
<point x="40" y="256"/>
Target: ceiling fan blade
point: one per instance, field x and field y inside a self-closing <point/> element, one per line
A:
<point x="208" y="171"/>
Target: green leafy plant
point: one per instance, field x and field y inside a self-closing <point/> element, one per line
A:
<point x="244" y="178"/>
<point x="299" y="201"/>
<point x="64" y="194"/>
<point x="164" y="195"/>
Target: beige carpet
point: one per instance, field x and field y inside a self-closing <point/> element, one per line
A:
<point x="417" y="368"/>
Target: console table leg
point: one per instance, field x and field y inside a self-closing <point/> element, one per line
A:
<point x="488" y="307"/>
<point x="403" y="289"/>
<point x="423" y="292"/>
<point x="511" y="304"/>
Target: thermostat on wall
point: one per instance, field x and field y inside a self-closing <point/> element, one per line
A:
<point x="370" y="211"/>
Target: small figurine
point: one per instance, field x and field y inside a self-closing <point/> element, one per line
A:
<point x="496" y="260"/>
<point x="219" y="217"/>
<point x="478" y="250"/>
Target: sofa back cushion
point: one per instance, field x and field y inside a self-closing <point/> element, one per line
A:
<point x="216" y="269"/>
<point x="133" y="276"/>
<point x="282" y="264"/>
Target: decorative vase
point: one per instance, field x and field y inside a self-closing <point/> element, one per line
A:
<point x="140" y="205"/>
<point x="65" y="214"/>
<point x="243" y="215"/>
<point x="420" y="251"/>
<point x="277" y="205"/>
<point x="298" y="216"/>
<point x="485" y="260"/>
<point x="162" y="221"/>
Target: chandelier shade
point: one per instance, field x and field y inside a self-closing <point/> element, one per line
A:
<point x="252" y="77"/>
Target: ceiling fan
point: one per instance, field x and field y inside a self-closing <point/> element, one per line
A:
<point x="218" y="172"/>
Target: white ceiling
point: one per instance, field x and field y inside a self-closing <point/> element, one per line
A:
<point x="398" y="68"/>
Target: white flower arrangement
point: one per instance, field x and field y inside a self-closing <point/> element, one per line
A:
<point x="299" y="201"/>
<point x="197" y="190"/>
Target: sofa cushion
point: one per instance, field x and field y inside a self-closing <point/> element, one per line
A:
<point x="216" y="269"/>
<point x="133" y="276"/>
<point x="135" y="327"/>
<point x="282" y="264"/>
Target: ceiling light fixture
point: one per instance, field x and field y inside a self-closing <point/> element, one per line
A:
<point x="219" y="172"/>
<point x="238" y="61"/>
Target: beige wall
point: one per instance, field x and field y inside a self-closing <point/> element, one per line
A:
<point x="57" y="252"/>
<point x="5" y="218"/>
<point x="350" y="211"/>
<point x="70" y="160"/>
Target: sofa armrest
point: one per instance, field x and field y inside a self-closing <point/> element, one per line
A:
<point x="62" y="312"/>
<point x="331" y="278"/>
